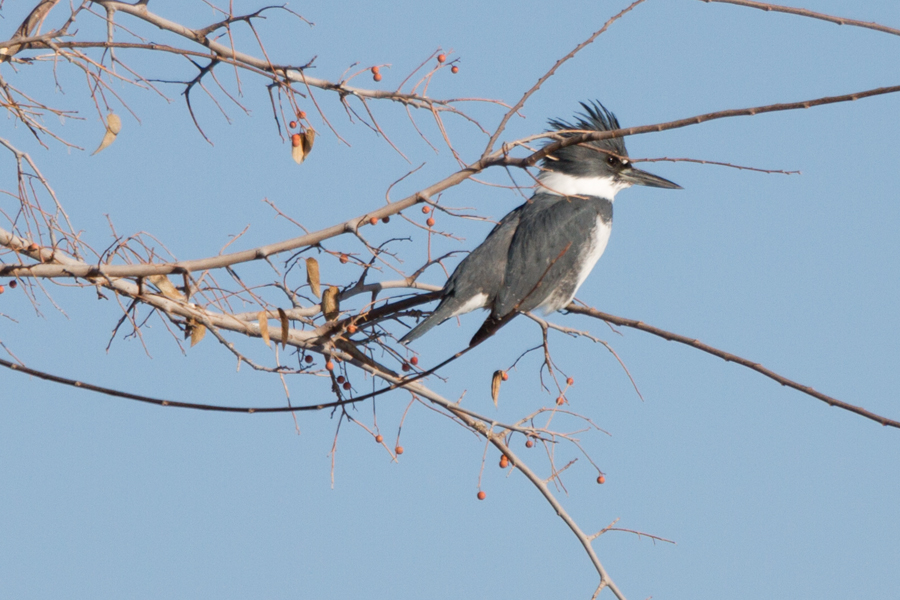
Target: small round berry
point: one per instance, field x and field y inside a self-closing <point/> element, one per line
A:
<point x="373" y="220"/>
<point x="529" y="444"/>
<point x="426" y="210"/>
<point x="430" y="222"/>
<point x="296" y="140"/>
<point x="301" y="115"/>
<point x="32" y="247"/>
<point x="329" y="365"/>
<point x="293" y="124"/>
<point x="399" y="450"/>
<point x="442" y="58"/>
<point x="482" y="495"/>
<point x="341" y="379"/>
<point x="2" y="289"/>
<point x="347" y="385"/>
<point x="405" y="367"/>
<point x="504" y="462"/>
<point x="351" y="328"/>
<point x="13" y="284"/>
<point x="344" y="259"/>
<point x="379" y="438"/>
<point x="504" y="375"/>
<point x="414" y="360"/>
<point x="560" y="401"/>
<point x="454" y="69"/>
<point x="386" y="220"/>
<point x="601" y="480"/>
<point x="375" y="70"/>
<point x="377" y="76"/>
<point x="570" y="381"/>
<point x="308" y="358"/>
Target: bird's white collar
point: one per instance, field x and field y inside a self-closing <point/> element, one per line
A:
<point x="554" y="182"/>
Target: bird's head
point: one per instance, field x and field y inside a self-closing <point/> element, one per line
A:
<point x="597" y="168"/>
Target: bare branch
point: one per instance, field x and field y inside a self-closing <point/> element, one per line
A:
<point x="727" y="356"/>
<point x="802" y="12"/>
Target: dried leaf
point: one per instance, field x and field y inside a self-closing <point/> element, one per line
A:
<point x="198" y="330"/>
<point x="285" y="327"/>
<point x="312" y="276"/>
<point x="297" y="153"/>
<point x="113" y="127"/>
<point x="197" y="334"/>
<point x="165" y="286"/>
<point x="301" y="145"/>
<point x="330" y="306"/>
<point x="495" y="386"/>
<point x="264" y="328"/>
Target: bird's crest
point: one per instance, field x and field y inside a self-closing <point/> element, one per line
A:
<point x="594" y="118"/>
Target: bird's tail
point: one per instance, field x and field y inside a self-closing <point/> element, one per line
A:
<point x="449" y="307"/>
<point x="490" y="327"/>
<point x="420" y="329"/>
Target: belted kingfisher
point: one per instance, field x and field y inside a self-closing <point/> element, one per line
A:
<point x="539" y="254"/>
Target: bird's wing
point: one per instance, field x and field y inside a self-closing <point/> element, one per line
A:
<point x="546" y="250"/>
<point x="476" y="280"/>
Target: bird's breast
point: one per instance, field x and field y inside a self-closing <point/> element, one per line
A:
<point x="588" y="253"/>
<point x="599" y="239"/>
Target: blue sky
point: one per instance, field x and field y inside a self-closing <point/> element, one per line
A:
<point x="759" y="485"/>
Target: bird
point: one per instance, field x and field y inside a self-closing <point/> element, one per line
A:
<point x="540" y="253"/>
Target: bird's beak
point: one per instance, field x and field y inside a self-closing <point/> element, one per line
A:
<point x="634" y="176"/>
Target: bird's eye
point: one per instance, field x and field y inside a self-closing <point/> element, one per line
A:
<point x="612" y="160"/>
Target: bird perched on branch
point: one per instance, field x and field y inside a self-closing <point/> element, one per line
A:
<point x="540" y="253"/>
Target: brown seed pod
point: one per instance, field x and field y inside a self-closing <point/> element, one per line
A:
<point x="330" y="305"/>
<point x="312" y="276"/>
<point x="300" y="151"/>
<point x="263" y="321"/>
<point x="495" y="386"/>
